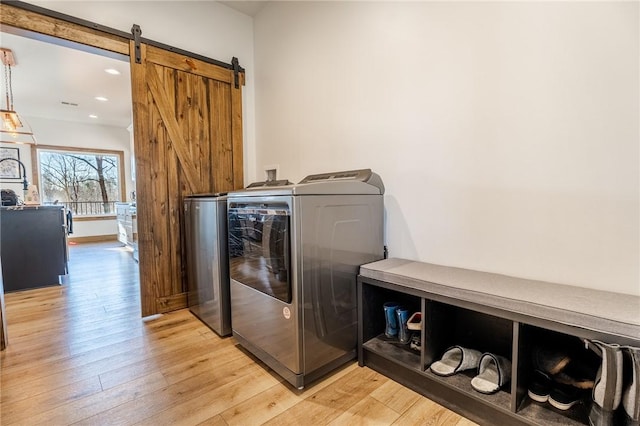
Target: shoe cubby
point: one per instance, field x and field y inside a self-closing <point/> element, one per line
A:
<point x="562" y="365"/>
<point x="373" y="330"/>
<point x="443" y="325"/>
<point x="449" y="326"/>
<point x="531" y="335"/>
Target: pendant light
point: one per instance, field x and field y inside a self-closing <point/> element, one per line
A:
<point x="13" y="128"/>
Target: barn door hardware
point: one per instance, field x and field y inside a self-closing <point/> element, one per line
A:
<point x="137" y="32"/>
<point x="236" y="70"/>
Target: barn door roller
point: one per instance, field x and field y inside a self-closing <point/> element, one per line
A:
<point x="136" y="32"/>
<point x="236" y="69"/>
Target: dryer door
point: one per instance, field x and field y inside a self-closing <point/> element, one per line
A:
<point x="259" y="253"/>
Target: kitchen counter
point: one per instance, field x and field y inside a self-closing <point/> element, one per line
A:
<point x="33" y="246"/>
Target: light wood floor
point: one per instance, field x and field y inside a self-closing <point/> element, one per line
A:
<point x="81" y="354"/>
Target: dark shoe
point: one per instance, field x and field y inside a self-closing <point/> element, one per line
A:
<point x="580" y="373"/>
<point x="415" y="343"/>
<point x="564" y="397"/>
<point x="539" y="387"/>
<point x="548" y="360"/>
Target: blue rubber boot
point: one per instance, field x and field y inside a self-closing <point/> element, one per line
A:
<point x="404" y="336"/>
<point x="391" y="328"/>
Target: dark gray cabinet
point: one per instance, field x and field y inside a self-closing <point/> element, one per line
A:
<point x="33" y="246"/>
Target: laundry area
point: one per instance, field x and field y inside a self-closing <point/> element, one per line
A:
<point x="305" y="286"/>
<point x="288" y="284"/>
<point x="326" y="212"/>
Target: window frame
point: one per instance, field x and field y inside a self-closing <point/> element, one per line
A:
<point x="35" y="161"/>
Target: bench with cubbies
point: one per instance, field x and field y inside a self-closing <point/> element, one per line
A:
<point x="490" y="313"/>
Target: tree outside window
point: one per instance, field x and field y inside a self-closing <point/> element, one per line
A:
<point x="87" y="183"/>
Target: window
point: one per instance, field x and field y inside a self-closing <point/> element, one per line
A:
<point x="87" y="182"/>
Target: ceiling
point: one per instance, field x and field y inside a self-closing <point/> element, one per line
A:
<point x="46" y="76"/>
<point x="250" y="8"/>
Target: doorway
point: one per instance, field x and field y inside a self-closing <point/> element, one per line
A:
<point x="78" y="103"/>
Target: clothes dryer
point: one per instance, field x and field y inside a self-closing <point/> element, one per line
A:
<point x="294" y="255"/>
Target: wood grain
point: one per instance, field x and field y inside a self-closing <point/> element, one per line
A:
<point x="82" y="355"/>
<point x="236" y="135"/>
<point x="396" y="396"/>
<point x="144" y="185"/>
<point x="368" y="411"/>
<point x="188" y="156"/>
<point x="190" y="65"/>
<point x="31" y="21"/>
<point x="222" y="153"/>
<point x="94" y="238"/>
<point x="426" y="412"/>
<point x="179" y="143"/>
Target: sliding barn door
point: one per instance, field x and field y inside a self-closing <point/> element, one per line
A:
<point x="187" y="119"/>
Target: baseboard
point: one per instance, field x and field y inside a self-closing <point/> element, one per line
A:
<point x="93" y="238"/>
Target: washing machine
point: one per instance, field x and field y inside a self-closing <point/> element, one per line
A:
<point x="294" y="255"/>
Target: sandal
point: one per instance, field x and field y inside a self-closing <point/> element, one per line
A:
<point x="456" y="359"/>
<point x="494" y="371"/>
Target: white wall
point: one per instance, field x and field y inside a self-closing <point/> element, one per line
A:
<point x="203" y="27"/>
<point x="68" y="134"/>
<point x="507" y="133"/>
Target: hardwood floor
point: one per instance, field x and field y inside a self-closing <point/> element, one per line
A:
<point x="81" y="354"/>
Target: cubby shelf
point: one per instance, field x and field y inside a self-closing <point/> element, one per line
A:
<point x="503" y="319"/>
<point x="393" y="352"/>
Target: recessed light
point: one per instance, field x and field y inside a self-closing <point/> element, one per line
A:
<point x="112" y="71"/>
<point x="101" y="99"/>
<point x="93" y="116"/>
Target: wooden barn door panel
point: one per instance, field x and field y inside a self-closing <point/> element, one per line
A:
<point x="222" y="153"/>
<point x="186" y="142"/>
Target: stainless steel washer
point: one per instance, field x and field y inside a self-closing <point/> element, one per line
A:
<point x="294" y="254"/>
<point x="207" y="260"/>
